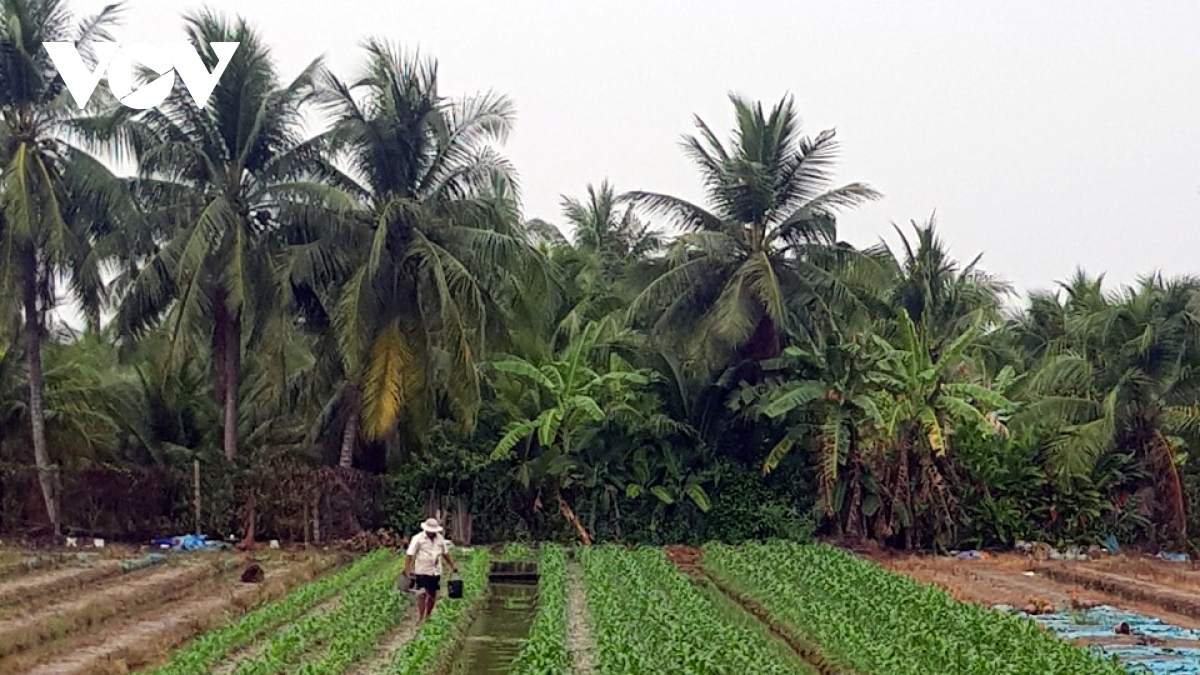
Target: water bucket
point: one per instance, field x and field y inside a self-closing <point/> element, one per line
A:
<point x="405" y="583"/>
<point x="455" y="587"/>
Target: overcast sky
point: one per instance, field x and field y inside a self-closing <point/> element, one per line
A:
<point x="1045" y="134"/>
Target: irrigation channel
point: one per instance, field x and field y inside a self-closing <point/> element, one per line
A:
<point x="500" y="631"/>
<point x="1152" y="647"/>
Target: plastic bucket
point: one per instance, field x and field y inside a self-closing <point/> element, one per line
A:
<point x="455" y="587"/>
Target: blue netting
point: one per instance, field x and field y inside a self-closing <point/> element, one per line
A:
<point x="1145" y="659"/>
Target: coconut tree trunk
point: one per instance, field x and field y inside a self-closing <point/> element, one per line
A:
<point x="1169" y="489"/>
<point x="350" y="431"/>
<point x="231" y="343"/>
<point x="37" y="385"/>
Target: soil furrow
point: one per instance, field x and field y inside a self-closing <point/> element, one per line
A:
<point x="78" y="614"/>
<point x="689" y="561"/>
<point x="389" y="645"/>
<point x="142" y="640"/>
<point x="804" y="650"/>
<point x="579" y="632"/>
<point x="45" y="586"/>
<point x="255" y="649"/>
<point x="1181" y="602"/>
<point x="1011" y="580"/>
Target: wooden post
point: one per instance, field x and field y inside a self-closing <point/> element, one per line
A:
<point x="306" y="522"/>
<point x="196" y="490"/>
<point x="317" y="520"/>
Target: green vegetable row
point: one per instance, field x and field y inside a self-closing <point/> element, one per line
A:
<point x="649" y="618"/>
<point x="449" y="620"/>
<point x="546" y="651"/>
<point x="515" y="551"/>
<point x="208" y="649"/>
<point x="371" y="615"/>
<point x="287" y="648"/>
<point x="872" y="621"/>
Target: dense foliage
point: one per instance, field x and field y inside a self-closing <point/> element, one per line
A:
<point x="655" y="371"/>
<point x="899" y="626"/>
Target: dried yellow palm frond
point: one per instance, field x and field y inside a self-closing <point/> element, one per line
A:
<point x="391" y="381"/>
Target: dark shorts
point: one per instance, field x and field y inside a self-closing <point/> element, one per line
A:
<point x="429" y="582"/>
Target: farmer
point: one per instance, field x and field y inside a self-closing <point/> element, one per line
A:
<point x="423" y="564"/>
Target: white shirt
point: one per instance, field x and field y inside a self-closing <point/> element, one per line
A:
<point x="427" y="553"/>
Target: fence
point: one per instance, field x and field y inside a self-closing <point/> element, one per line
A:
<point x="281" y="500"/>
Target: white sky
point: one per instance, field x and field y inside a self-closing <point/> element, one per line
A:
<point x="1045" y="134"/>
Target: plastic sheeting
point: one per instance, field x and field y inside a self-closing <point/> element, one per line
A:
<point x="190" y="542"/>
<point x="1100" y="622"/>
<point x="143" y="562"/>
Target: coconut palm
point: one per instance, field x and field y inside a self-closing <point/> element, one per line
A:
<point x="1116" y="376"/>
<point x="444" y="250"/>
<point x="218" y="186"/>
<point x="595" y="270"/>
<point x="602" y="226"/>
<point x="940" y="296"/>
<point x="745" y="271"/>
<point x="49" y="189"/>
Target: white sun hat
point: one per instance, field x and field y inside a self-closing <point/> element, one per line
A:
<point x="431" y="525"/>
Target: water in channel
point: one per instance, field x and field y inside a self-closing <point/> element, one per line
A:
<point x="499" y="633"/>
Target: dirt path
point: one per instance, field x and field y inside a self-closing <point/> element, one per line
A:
<point x="42" y="585"/>
<point x="579" y="633"/>
<point x="389" y="645"/>
<point x="93" y="608"/>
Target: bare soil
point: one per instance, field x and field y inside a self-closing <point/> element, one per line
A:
<point x="44" y="585"/>
<point x="1143" y="585"/>
<point x="579" y="632"/>
<point x="143" y="638"/>
<point x="94" y="606"/>
<point x="17" y="563"/>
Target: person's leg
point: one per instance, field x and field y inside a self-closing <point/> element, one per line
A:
<point x="432" y="601"/>
<point x="421" y="604"/>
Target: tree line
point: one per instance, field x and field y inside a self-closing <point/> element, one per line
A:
<point x="372" y="296"/>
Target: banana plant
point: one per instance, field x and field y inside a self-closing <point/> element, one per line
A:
<point x="829" y="402"/>
<point x="664" y="477"/>
<point x="568" y="400"/>
<point x="925" y="398"/>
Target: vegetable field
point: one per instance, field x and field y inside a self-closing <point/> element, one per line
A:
<point x="763" y="608"/>
<point x="650" y="618"/>
<point x="873" y="621"/>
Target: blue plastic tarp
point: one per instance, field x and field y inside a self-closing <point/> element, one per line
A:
<point x="1100" y="622"/>
<point x="188" y="542"/>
